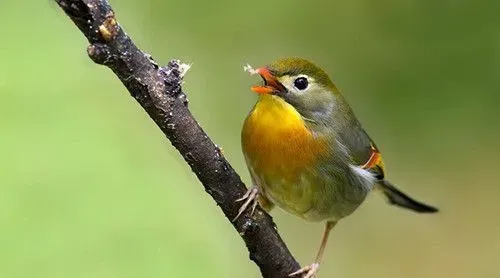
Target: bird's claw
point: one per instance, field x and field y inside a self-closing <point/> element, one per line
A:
<point x="309" y="271"/>
<point x="250" y="197"/>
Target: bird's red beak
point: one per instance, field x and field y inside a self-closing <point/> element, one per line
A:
<point x="271" y="83"/>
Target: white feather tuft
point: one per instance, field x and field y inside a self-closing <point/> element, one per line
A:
<point x="366" y="178"/>
<point x="249" y="69"/>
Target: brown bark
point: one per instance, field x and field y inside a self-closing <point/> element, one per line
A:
<point x="158" y="90"/>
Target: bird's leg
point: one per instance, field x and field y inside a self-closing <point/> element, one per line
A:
<point x="251" y="197"/>
<point x="311" y="269"/>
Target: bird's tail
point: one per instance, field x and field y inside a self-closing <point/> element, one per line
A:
<point x="398" y="198"/>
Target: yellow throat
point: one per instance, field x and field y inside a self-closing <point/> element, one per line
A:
<point x="276" y="140"/>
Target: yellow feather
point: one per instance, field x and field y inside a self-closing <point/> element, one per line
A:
<point x="277" y="142"/>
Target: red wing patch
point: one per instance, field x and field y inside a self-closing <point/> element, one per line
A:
<point x="375" y="162"/>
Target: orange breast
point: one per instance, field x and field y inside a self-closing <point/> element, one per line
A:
<point x="276" y="141"/>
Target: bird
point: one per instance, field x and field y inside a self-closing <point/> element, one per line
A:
<point x="308" y="154"/>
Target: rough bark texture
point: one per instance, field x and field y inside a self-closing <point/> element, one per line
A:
<point x="158" y="90"/>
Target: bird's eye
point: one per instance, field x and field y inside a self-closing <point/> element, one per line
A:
<point x="301" y="83"/>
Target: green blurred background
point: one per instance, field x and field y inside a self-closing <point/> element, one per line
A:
<point x="89" y="187"/>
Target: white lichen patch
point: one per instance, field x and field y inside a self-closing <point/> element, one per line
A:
<point x="183" y="69"/>
<point x="250" y="69"/>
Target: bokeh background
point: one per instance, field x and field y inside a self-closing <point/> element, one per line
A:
<point x="89" y="187"/>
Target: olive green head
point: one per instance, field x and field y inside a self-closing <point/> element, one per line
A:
<point x="297" y="67"/>
<point x="302" y="84"/>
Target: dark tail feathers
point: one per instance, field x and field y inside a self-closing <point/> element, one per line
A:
<point x="400" y="199"/>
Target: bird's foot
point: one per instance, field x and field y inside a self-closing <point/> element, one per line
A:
<point x="309" y="271"/>
<point x="250" y="197"/>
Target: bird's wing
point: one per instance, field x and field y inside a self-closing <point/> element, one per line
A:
<point x="363" y="151"/>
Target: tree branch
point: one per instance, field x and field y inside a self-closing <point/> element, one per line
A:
<point x="158" y="90"/>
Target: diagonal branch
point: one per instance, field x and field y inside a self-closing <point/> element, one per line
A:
<point x="158" y="90"/>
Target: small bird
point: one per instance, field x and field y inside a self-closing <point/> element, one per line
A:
<point x="307" y="153"/>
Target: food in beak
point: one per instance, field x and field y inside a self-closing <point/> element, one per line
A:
<point x="271" y="83"/>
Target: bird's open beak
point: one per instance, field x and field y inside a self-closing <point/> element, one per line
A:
<point x="271" y="83"/>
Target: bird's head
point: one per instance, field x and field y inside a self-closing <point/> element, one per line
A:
<point x="300" y="83"/>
